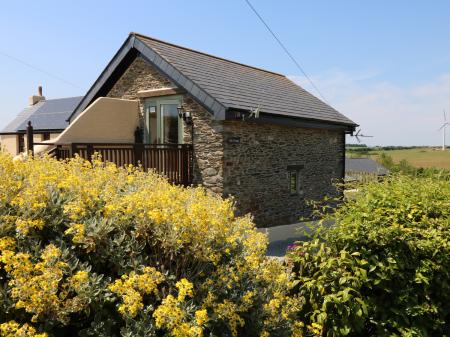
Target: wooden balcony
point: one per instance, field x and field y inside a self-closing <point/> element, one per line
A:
<point x="171" y="160"/>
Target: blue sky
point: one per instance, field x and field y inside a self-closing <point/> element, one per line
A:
<point x="385" y="64"/>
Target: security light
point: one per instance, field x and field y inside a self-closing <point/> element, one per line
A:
<point x="186" y="115"/>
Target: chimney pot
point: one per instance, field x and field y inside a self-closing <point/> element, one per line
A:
<point x="37" y="98"/>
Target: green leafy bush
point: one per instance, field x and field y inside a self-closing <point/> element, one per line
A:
<point x="383" y="267"/>
<point x="94" y="250"/>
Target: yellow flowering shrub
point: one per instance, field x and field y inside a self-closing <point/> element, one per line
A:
<point x="14" y="329"/>
<point x="89" y="249"/>
<point x="131" y="289"/>
<point x="41" y="288"/>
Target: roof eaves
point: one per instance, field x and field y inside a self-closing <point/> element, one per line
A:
<point x="294" y="121"/>
<point x="5" y="133"/>
<point x="21" y="131"/>
<point x="350" y="122"/>
<point x="40" y="130"/>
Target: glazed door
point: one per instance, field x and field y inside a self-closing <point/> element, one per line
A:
<point x="162" y="123"/>
<point x="170" y="123"/>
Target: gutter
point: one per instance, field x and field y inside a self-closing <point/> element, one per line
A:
<point x="234" y="114"/>
<point x="18" y="132"/>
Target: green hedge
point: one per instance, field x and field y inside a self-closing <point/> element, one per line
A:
<point x="383" y="267"/>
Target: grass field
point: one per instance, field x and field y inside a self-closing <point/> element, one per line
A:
<point x="422" y="157"/>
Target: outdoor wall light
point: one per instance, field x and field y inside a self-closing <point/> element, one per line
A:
<point x="186" y="115"/>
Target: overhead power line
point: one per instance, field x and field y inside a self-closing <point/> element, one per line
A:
<point x="39" y="69"/>
<point x="285" y="49"/>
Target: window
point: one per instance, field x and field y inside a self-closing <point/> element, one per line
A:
<point x="21" y="141"/>
<point x="293" y="182"/>
<point x="151" y="125"/>
<point x="162" y="123"/>
<point x="170" y="123"/>
<point x="46" y="136"/>
<point x="294" y="179"/>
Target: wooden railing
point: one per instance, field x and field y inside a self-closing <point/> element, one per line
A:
<point x="175" y="161"/>
<point x="171" y="160"/>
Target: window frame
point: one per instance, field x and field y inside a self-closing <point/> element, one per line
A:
<point x="293" y="190"/>
<point x="157" y="102"/>
<point x="293" y="171"/>
<point x="21" y="143"/>
<point x="45" y="136"/>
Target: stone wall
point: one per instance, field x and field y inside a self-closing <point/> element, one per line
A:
<point x="208" y="152"/>
<point x="255" y="170"/>
<point x="208" y="146"/>
<point x="139" y="76"/>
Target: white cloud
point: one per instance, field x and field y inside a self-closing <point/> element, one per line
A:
<point x="393" y="114"/>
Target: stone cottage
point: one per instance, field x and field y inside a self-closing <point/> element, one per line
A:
<point x="250" y="133"/>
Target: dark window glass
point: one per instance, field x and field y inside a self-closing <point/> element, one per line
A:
<point x="46" y="136"/>
<point x="153" y="126"/>
<point x="162" y="123"/>
<point x="293" y="182"/>
<point x="21" y="143"/>
<point x="169" y="114"/>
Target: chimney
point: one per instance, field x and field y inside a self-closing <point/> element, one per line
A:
<point x="36" y="99"/>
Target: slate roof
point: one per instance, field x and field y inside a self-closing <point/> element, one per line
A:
<point x="46" y="115"/>
<point x="240" y="86"/>
<point x="218" y="84"/>
<point x="364" y="165"/>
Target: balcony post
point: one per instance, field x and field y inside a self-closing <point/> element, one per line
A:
<point x="191" y="163"/>
<point x="30" y="138"/>
<point x="138" y="135"/>
<point x="73" y="150"/>
<point x="89" y="151"/>
<point x="138" y="149"/>
<point x="185" y="166"/>
<point x="58" y="152"/>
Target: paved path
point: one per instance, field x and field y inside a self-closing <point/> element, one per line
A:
<point x="280" y="237"/>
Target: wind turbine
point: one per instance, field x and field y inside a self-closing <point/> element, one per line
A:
<point x="443" y="127"/>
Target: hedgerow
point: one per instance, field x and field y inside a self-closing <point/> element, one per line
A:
<point x="383" y="267"/>
<point x="405" y="168"/>
<point x="89" y="249"/>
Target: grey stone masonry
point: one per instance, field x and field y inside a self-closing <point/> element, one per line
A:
<point x="250" y="161"/>
<point x="208" y="140"/>
<point x="257" y="163"/>
<point x="208" y="146"/>
<point x="139" y="76"/>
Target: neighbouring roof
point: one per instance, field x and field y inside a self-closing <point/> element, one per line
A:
<point x="48" y="115"/>
<point x="364" y="165"/>
<point x="218" y="84"/>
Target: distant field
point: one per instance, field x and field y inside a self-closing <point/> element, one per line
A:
<point x="420" y="157"/>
